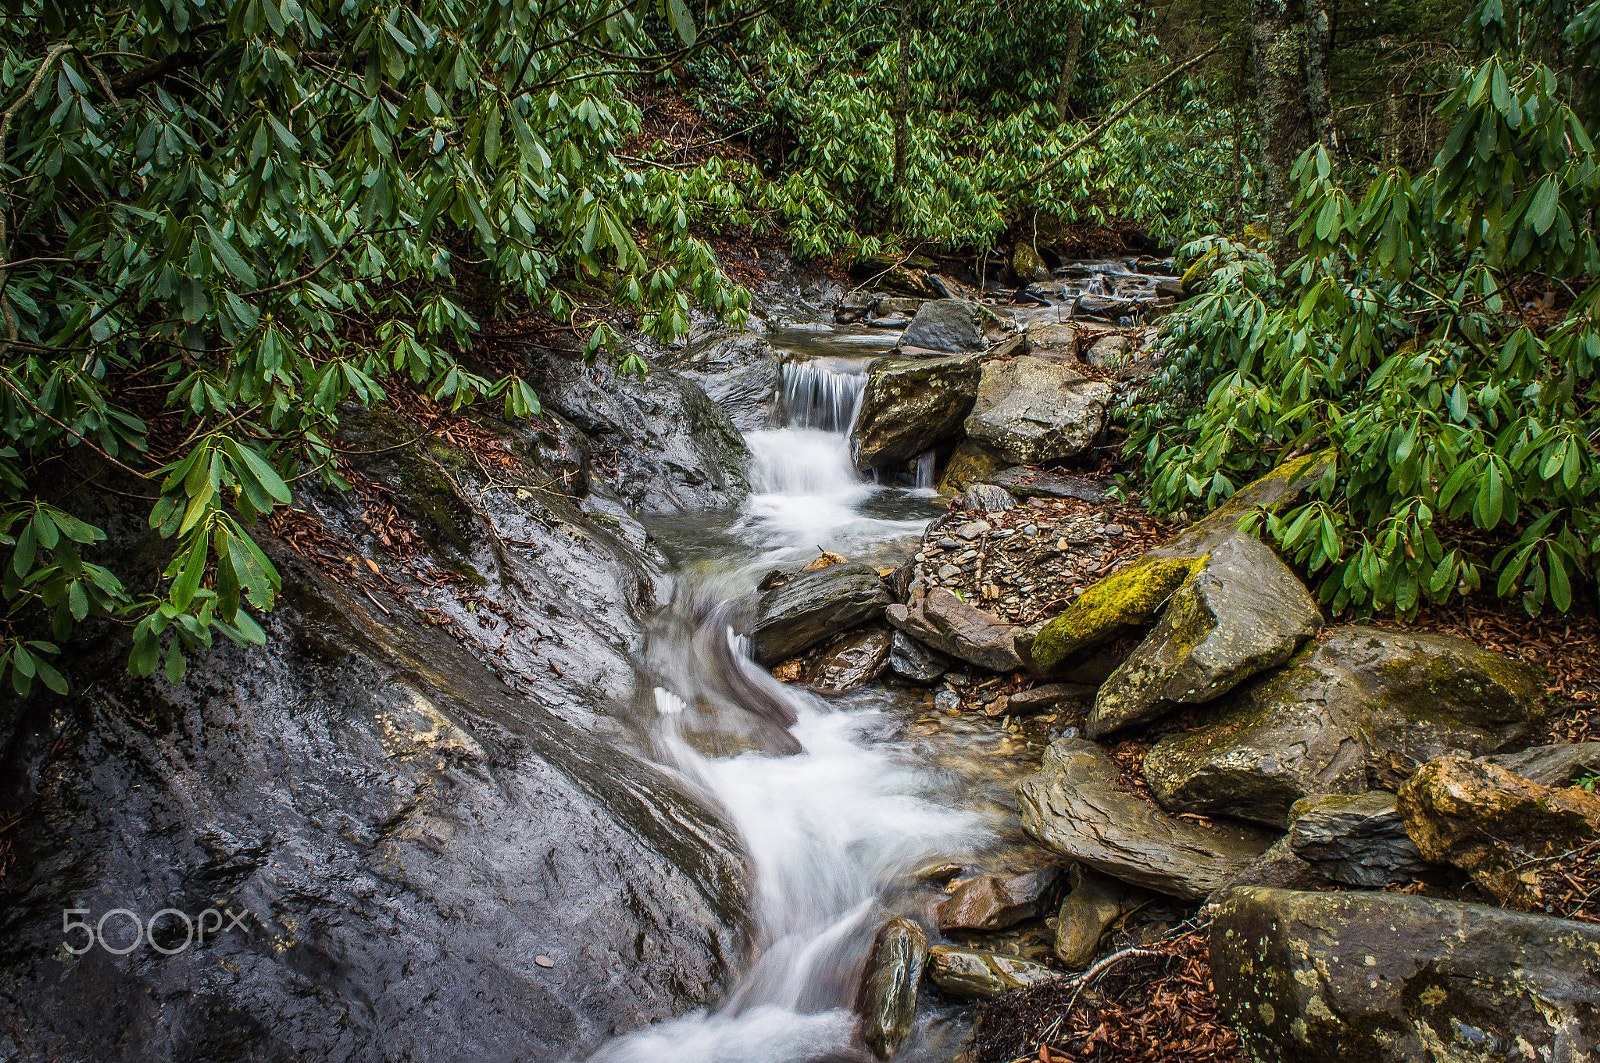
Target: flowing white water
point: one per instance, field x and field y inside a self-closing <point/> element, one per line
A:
<point x="830" y="830"/>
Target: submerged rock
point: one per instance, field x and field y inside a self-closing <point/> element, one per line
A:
<point x="858" y="658"/>
<point x="1493" y="824"/>
<point x="1359" y="841"/>
<point x="1073" y="805"/>
<point x="973" y="974"/>
<point x="1389" y="978"/>
<point x="814" y="606"/>
<point x="1124" y="600"/>
<point x="1032" y="410"/>
<point x="993" y="902"/>
<point x="1240" y="612"/>
<point x="950" y="625"/>
<point x="1360" y="709"/>
<point x="911" y="660"/>
<point x="951" y="325"/>
<point x="1095" y="903"/>
<point x="909" y="405"/>
<point x="887" y="1001"/>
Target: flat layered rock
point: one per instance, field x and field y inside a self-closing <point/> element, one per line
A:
<point x="1074" y="807"/>
<point x="994" y="902"/>
<point x="951" y="325"/>
<point x="973" y="974"/>
<point x="1024" y="482"/>
<point x="1358" y="841"/>
<point x="950" y="625"/>
<point x="1554" y="765"/>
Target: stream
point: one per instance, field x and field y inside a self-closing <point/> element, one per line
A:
<point x="833" y="831"/>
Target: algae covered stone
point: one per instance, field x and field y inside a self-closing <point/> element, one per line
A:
<point x="1388" y="978"/>
<point x="1273" y="492"/>
<point x="1241" y="612"/>
<point x="909" y="405"/>
<point x="1362" y="708"/>
<point x="1122" y="601"/>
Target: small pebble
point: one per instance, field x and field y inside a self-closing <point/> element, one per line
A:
<point x="1113" y="530"/>
<point x="973" y="528"/>
<point x="966" y="555"/>
<point x="947" y="701"/>
<point x="948" y="571"/>
<point x="948" y="543"/>
<point x="1031" y="530"/>
<point x="544" y="961"/>
<point x="1004" y="533"/>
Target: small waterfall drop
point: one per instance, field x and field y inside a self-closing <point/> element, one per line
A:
<point x="927" y="463"/>
<point x="818" y="395"/>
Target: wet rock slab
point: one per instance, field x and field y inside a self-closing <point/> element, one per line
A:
<point x="887" y="1001"/>
<point x="1389" y="978"/>
<point x="909" y="405"/>
<point x="1357" y="841"/>
<point x="815" y="606"/>
<point x="993" y="902"/>
<point x="951" y="626"/>
<point x="1073" y="805"/>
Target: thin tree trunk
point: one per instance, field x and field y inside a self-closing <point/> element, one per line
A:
<point x="902" y="97"/>
<point x="1278" y="40"/>
<point x="1319" y="65"/>
<point x="1069" y="65"/>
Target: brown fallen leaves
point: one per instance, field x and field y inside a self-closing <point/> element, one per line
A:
<point x="1149" y="1009"/>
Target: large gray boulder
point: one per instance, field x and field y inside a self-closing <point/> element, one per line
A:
<point x="1389" y="978"/>
<point x="739" y="371"/>
<point x="662" y="444"/>
<point x="815" y="606"/>
<point x="1074" y="806"/>
<point x="1240" y="612"/>
<point x="909" y="405"/>
<point x="1361" y="709"/>
<point x="951" y="325"/>
<point x="951" y="626"/>
<point x="1033" y="410"/>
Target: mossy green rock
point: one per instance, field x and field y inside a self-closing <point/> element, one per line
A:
<point x="1361" y="709"/>
<point x="1123" y="600"/>
<point x="1241" y="612"/>
<point x="1388" y="978"/>
<point x="909" y="405"/>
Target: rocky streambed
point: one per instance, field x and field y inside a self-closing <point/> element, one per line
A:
<point x="693" y="723"/>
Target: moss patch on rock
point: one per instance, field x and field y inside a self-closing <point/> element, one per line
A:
<point x="1126" y="599"/>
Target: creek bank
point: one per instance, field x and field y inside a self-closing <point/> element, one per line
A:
<point x="419" y="789"/>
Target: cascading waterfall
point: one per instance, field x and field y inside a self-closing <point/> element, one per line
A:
<point x="927" y="463"/>
<point x="817" y="395"/>
<point x="832" y="828"/>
